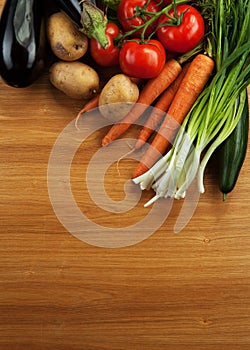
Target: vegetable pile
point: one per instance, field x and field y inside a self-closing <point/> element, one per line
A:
<point x="216" y="112"/>
<point x="187" y="60"/>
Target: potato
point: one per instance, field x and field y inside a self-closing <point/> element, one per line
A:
<point x="77" y="80"/>
<point x="117" y="97"/>
<point x="66" y="40"/>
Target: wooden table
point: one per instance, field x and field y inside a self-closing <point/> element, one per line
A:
<point x="189" y="290"/>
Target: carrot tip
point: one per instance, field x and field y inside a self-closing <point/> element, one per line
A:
<point x="140" y="170"/>
<point x="105" y="141"/>
<point x="139" y="144"/>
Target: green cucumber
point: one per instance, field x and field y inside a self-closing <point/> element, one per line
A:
<point x="232" y="153"/>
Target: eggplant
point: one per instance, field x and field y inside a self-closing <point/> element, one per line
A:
<point x="22" y="42"/>
<point x="88" y="16"/>
<point x="73" y="9"/>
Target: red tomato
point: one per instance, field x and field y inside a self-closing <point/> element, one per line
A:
<point x="127" y="11"/>
<point x="185" y="36"/>
<point x="108" y="57"/>
<point x="142" y="60"/>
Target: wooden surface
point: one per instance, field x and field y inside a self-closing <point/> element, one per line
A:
<point x="189" y="290"/>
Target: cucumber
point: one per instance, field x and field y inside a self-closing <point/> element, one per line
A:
<point x="232" y="153"/>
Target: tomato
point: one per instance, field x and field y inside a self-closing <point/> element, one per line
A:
<point x="127" y="15"/>
<point x="142" y="60"/>
<point x="186" y="35"/>
<point x="109" y="56"/>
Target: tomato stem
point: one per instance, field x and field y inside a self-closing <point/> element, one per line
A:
<point x="141" y="11"/>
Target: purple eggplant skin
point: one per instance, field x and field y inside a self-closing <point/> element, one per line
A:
<point x="73" y="9"/>
<point x="22" y="42"/>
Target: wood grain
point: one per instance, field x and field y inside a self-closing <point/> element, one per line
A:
<point x="189" y="290"/>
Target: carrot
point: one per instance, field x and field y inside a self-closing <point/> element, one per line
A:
<point x="152" y="89"/>
<point x="191" y="86"/>
<point x="91" y="104"/>
<point x="161" y="106"/>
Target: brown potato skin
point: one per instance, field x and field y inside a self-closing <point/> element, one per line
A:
<point x="65" y="39"/>
<point x="117" y="97"/>
<point x="76" y="79"/>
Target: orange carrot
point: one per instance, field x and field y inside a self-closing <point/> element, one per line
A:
<point x="153" y="88"/>
<point x="91" y="104"/>
<point x="191" y="86"/>
<point x="161" y="106"/>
